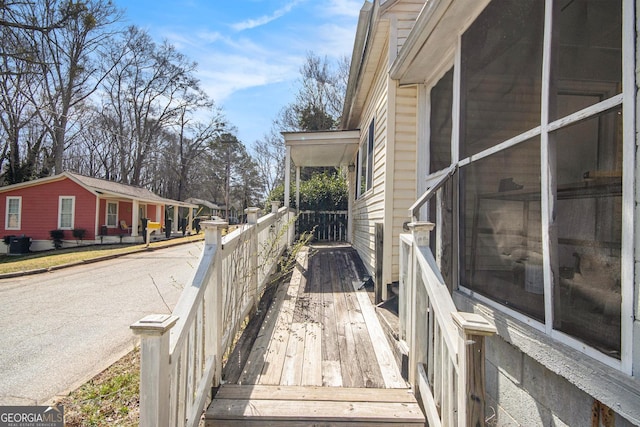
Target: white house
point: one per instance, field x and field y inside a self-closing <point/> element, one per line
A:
<point x="523" y="115"/>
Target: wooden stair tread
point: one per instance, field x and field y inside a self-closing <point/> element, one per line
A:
<point x="297" y="405"/>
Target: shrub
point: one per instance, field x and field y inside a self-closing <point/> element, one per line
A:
<point x="57" y="236"/>
<point x="78" y="233"/>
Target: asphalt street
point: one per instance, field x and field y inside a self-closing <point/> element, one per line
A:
<point x="59" y="329"/>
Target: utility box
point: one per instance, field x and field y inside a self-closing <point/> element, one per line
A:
<point x="19" y="245"/>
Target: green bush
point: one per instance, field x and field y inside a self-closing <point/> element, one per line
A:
<point x="57" y="236"/>
<point x="326" y="191"/>
<point x="78" y="233"/>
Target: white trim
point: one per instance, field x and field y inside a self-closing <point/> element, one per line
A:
<point x="547" y="172"/>
<point x="530" y="321"/>
<point x="423" y="148"/>
<point x="73" y="212"/>
<point x="6" y="218"/>
<point x="628" y="186"/>
<point x="106" y="213"/>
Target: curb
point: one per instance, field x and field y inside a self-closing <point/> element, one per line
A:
<point x="89" y="261"/>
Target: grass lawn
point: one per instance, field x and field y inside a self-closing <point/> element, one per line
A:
<point x="53" y="258"/>
<point x="110" y="398"/>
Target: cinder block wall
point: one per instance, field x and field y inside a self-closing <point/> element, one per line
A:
<point x="522" y="392"/>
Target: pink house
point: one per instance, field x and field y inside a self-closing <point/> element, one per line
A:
<point x="106" y="210"/>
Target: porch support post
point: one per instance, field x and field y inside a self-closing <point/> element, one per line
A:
<point x="298" y="188"/>
<point x="287" y="177"/>
<point x="176" y="217"/>
<point x="472" y="329"/>
<point x="97" y="221"/>
<point x="351" y="193"/>
<point x="189" y="219"/>
<point x="135" y="218"/>
<point x="154" y="368"/>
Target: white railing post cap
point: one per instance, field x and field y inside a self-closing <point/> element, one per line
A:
<point x="252" y="214"/>
<point x="420" y="231"/>
<point x="275" y="205"/>
<point x="473" y="323"/>
<point x="214" y="223"/>
<point x="154" y="324"/>
<point x="421" y="226"/>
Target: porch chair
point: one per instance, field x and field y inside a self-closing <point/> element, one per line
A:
<point x="124" y="226"/>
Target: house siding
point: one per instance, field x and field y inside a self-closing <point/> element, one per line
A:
<point x="40" y="209"/>
<point x="404" y="167"/>
<point x="369" y="208"/>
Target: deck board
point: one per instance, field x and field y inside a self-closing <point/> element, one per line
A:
<point x="320" y="356"/>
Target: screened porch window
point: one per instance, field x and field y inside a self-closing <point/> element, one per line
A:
<point x="506" y="147"/>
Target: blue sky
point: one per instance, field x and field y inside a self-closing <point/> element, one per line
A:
<point x="249" y="52"/>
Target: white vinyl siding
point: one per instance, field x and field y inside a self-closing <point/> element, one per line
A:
<point x="14" y="213"/>
<point x="369" y="209"/>
<point x="66" y="212"/>
<point x="403" y="193"/>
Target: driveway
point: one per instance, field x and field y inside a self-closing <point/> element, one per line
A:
<point x="59" y="329"/>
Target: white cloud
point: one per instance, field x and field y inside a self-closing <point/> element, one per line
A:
<point x="336" y="40"/>
<point x="257" y="22"/>
<point x="348" y="8"/>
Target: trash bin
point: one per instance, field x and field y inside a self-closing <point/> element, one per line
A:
<point x="19" y="245"/>
<point x="167" y="227"/>
<point x="103" y="230"/>
<point x="144" y="229"/>
<point x="196" y="225"/>
<point x="183" y="225"/>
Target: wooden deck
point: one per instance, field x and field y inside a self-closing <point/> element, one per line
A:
<point x="319" y="357"/>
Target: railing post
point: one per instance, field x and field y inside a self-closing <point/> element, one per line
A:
<point x="275" y="205"/>
<point x="154" y="368"/>
<point x="252" y="219"/>
<point x="420" y="233"/>
<point x="471" y="360"/>
<point x="213" y="297"/>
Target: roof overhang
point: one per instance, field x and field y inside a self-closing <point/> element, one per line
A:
<point x="433" y="39"/>
<point x="325" y="148"/>
<point x="371" y="43"/>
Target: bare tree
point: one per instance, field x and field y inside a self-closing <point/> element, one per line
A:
<point x="19" y="18"/>
<point x="318" y="103"/>
<point x="270" y="153"/>
<point x="67" y="58"/>
<point x="192" y="141"/>
<point x="148" y="90"/>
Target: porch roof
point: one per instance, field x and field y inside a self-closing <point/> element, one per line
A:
<point x="323" y="148"/>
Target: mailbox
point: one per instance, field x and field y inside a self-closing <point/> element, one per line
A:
<point x="153" y="225"/>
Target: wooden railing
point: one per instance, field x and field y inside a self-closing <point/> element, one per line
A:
<point x="181" y="354"/>
<point x="326" y="225"/>
<point x="446" y="347"/>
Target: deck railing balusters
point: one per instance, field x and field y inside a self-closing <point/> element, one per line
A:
<point x="181" y="354"/>
<point x="448" y="375"/>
